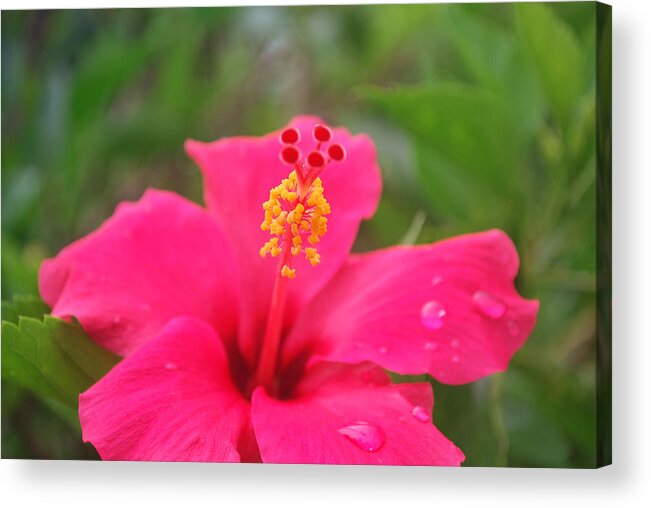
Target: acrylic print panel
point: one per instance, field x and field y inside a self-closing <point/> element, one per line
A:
<point x="328" y="235"/>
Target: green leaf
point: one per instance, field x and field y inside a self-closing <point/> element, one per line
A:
<point x="485" y="50"/>
<point x="64" y="411"/>
<point x="51" y="357"/>
<point x="467" y="145"/>
<point x="495" y="59"/>
<point x="469" y="125"/>
<point x="557" y="56"/>
<point x="20" y="262"/>
<point x="23" y="305"/>
<point x="463" y="414"/>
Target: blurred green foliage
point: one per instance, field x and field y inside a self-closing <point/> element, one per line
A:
<point x="484" y="116"/>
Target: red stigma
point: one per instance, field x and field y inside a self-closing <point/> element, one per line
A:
<point x="310" y="167"/>
<point x="290" y="136"/>
<point x="290" y="155"/>
<point x="336" y="152"/>
<point x="321" y="133"/>
<point x="316" y="159"/>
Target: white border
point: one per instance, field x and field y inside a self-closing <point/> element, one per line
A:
<point x="624" y="484"/>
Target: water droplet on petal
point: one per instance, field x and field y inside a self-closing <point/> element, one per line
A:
<point x="383" y="350"/>
<point x="456" y="359"/>
<point x="367" y="436"/>
<point x="513" y="328"/>
<point x="117" y="319"/>
<point x="436" y="280"/>
<point x="431" y="346"/>
<point x="455" y="344"/>
<point x="489" y="305"/>
<point x="432" y="314"/>
<point x="420" y="414"/>
<point x="171" y="366"/>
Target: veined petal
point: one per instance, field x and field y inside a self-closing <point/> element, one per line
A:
<point x="239" y="173"/>
<point x="153" y="260"/>
<point x="171" y="400"/>
<point x="449" y="309"/>
<point x="343" y="414"/>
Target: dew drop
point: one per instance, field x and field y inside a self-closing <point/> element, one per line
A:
<point x="367" y="436"/>
<point x="420" y="414"/>
<point x="431" y="346"/>
<point x="455" y="344"/>
<point x="513" y="328"/>
<point x="456" y="359"/>
<point x="489" y="305"/>
<point x="436" y="280"/>
<point x="383" y="350"/>
<point x="171" y="366"/>
<point x="432" y="314"/>
<point x="117" y="320"/>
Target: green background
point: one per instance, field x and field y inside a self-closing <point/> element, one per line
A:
<point x="484" y="116"/>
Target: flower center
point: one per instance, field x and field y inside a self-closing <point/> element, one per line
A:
<point x="295" y="216"/>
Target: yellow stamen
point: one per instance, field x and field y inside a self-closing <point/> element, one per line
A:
<point x="290" y="217"/>
<point x="288" y="272"/>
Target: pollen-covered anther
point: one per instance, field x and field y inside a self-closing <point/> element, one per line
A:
<point x="288" y="272"/>
<point x="296" y="247"/>
<point x="270" y="247"/>
<point x="312" y="256"/>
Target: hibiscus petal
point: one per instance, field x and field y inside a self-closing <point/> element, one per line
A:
<point x="340" y="412"/>
<point x="449" y="309"/>
<point x="171" y="400"/>
<point x="240" y="171"/>
<point x="153" y="260"/>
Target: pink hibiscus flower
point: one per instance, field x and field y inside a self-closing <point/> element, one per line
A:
<point x="244" y="342"/>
